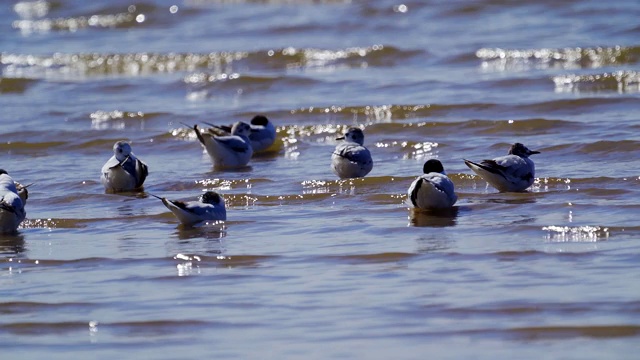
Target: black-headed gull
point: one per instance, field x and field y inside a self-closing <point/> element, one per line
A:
<point x="262" y="136"/>
<point x="509" y="173"/>
<point x="12" y="211"/>
<point x="433" y="189"/>
<point x="123" y="171"/>
<point x="351" y="159"/>
<point x="209" y="207"/>
<point x="228" y="151"/>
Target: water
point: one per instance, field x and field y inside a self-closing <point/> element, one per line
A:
<point x="308" y="265"/>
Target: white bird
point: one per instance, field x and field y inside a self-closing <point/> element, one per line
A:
<point x="351" y="159"/>
<point x="210" y="206"/>
<point x="513" y="172"/>
<point x="262" y="136"/>
<point x="228" y="151"/>
<point x="123" y="172"/>
<point x="433" y="189"/>
<point x="12" y="211"/>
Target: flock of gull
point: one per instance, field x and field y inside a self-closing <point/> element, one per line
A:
<point x="233" y="146"/>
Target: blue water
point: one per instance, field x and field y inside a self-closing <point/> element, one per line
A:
<point x="308" y="265"/>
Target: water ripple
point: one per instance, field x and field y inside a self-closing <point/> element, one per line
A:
<point x="507" y="59"/>
<point x="576" y="233"/>
<point x="619" y="81"/>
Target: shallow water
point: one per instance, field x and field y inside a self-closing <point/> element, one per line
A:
<point x="308" y="265"/>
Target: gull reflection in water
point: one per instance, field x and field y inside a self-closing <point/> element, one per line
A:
<point x="11" y="244"/>
<point x="433" y="218"/>
<point x="519" y="198"/>
<point x="206" y="230"/>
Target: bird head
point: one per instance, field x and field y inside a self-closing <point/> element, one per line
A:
<point x="520" y="150"/>
<point x="121" y="150"/>
<point x="353" y="134"/>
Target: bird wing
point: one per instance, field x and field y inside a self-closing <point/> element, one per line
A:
<point x="129" y="165"/>
<point x="110" y="164"/>
<point x="414" y="189"/>
<point x="355" y="153"/>
<point x="512" y="166"/>
<point x="441" y="183"/>
<point x="11" y="202"/>
<point x="142" y="170"/>
<point x="219" y="130"/>
<point x="236" y="143"/>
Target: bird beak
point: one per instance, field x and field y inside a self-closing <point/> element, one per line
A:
<point x="340" y="138"/>
<point x="531" y="152"/>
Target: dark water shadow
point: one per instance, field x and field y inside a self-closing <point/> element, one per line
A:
<point x="270" y="153"/>
<point x="12" y="244"/>
<point x="137" y="193"/>
<point x="511" y="198"/>
<point x="221" y="170"/>
<point x="433" y="218"/>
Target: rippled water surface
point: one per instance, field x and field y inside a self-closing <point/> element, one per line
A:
<point x="309" y="266"/>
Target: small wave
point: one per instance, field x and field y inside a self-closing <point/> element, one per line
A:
<point x="132" y="64"/>
<point x="576" y="233"/>
<point x="14" y="85"/>
<point x="386" y="257"/>
<point x="28" y="307"/>
<point x="217" y="64"/>
<point x="568" y="58"/>
<point x="54" y="223"/>
<point x="32" y="9"/>
<point x="544" y="333"/>
<point x="619" y="81"/>
<point x="26" y="147"/>
<point x="579" y="106"/>
<point x="537" y="126"/>
<point x="72" y="24"/>
<point x="137" y="328"/>
<point x="610" y="146"/>
<point x="226" y="260"/>
<point x="243" y="83"/>
<point x="565" y="332"/>
<point x="245" y="200"/>
<point x="291" y="57"/>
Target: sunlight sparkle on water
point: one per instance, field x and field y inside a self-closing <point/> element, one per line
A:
<point x="576" y="233"/>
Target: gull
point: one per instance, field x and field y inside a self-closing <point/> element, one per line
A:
<point x="513" y="172"/>
<point x="210" y="206"/>
<point x="123" y="172"/>
<point x="228" y="151"/>
<point x="433" y="189"/>
<point x="12" y="211"/>
<point x="262" y="136"/>
<point x="351" y="159"/>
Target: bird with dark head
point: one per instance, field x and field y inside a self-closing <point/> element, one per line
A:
<point x="433" y="189"/>
<point x="510" y="173"/>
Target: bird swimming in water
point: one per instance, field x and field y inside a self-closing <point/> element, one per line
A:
<point x="510" y="173"/>
<point x="262" y="136"/>
<point x="123" y="171"/>
<point x="12" y="211"/>
<point x="210" y="206"/>
<point x="228" y="151"/>
<point x="433" y="189"/>
<point x="351" y="159"/>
